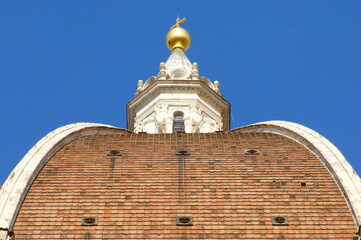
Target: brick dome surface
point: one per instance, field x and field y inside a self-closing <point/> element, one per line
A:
<point x="139" y="193"/>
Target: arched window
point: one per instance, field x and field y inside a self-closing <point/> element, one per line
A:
<point x="178" y="123"/>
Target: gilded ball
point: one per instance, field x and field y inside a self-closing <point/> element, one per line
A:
<point x="178" y="37"/>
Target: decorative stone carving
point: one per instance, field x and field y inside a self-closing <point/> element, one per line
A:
<point x="156" y="122"/>
<point x="140" y="87"/>
<point x="149" y="124"/>
<point x="206" y="124"/>
<point x="162" y="71"/>
<point x="216" y="87"/>
<point x="161" y="117"/>
<point x="195" y="73"/>
<point x="138" y="126"/>
<point x="195" y="119"/>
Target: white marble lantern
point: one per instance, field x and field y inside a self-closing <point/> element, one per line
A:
<point x="178" y="99"/>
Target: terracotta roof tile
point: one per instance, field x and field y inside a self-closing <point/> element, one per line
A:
<point x="229" y="194"/>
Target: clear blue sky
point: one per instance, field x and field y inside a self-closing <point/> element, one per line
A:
<point x="79" y="61"/>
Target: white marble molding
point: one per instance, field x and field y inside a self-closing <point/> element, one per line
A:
<point x="342" y="172"/>
<point x="16" y="186"/>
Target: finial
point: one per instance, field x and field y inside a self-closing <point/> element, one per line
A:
<point x="178" y="37"/>
<point x="216" y="87"/>
<point x="179" y="22"/>
<point x="140" y="87"/>
<point x="162" y="71"/>
<point x="195" y="73"/>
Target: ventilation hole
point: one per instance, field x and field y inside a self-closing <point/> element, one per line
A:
<point x="89" y="221"/>
<point x="114" y="152"/>
<point x="184" y="221"/>
<point x="279" y="220"/>
<point x="182" y="152"/>
<point x="303" y="184"/>
<point x="251" y="152"/>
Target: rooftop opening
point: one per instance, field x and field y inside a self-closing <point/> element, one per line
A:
<point x="182" y="152"/>
<point x="279" y="220"/>
<point x="114" y="152"/>
<point x="251" y="152"/>
<point x="89" y="221"/>
<point x="184" y="221"/>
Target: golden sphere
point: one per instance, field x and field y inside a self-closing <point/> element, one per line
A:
<point x="178" y="37"/>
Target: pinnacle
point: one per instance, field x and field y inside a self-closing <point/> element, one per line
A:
<point x="178" y="65"/>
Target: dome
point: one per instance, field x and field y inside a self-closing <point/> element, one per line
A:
<point x="98" y="180"/>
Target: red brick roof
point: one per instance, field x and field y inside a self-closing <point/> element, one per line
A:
<point x="229" y="194"/>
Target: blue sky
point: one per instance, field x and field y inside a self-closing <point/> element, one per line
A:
<point x="79" y="61"/>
